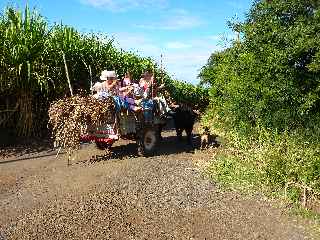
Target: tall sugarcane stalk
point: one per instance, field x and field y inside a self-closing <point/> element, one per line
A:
<point x="30" y="62"/>
<point x="90" y="72"/>
<point x="67" y="72"/>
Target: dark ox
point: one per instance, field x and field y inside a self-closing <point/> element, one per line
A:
<point x="183" y="118"/>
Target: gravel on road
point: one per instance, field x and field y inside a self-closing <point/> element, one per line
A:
<point x="131" y="197"/>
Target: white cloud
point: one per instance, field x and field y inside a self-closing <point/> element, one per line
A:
<point x="188" y="59"/>
<point x="177" y="45"/>
<point x="136" y="42"/>
<point x="186" y="65"/>
<point x="124" y="5"/>
<point x="176" y="19"/>
<point x="183" y="60"/>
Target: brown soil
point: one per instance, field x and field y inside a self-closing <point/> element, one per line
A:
<point x="130" y="197"/>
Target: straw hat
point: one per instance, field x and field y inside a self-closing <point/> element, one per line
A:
<point x="105" y="75"/>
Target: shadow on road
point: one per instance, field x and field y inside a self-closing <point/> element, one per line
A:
<point x="167" y="146"/>
<point x="48" y="154"/>
<point x="25" y="146"/>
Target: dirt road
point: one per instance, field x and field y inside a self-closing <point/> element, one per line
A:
<point x="131" y="197"/>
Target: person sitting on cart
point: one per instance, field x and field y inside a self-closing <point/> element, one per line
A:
<point x="127" y="93"/>
<point x="111" y="86"/>
<point x="146" y="83"/>
<point x="108" y="87"/>
<point x="151" y="92"/>
<point x="149" y="84"/>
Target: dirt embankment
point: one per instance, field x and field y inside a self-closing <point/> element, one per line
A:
<point x="131" y="197"/>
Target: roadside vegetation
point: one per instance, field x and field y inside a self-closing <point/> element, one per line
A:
<point x="265" y="102"/>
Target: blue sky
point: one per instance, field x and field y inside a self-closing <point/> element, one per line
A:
<point x="185" y="32"/>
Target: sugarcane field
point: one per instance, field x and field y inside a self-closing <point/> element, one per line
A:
<point x="159" y="120"/>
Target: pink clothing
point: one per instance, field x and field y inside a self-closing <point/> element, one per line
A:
<point x="126" y="82"/>
<point x="143" y="84"/>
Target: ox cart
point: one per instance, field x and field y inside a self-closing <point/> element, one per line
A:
<point x="144" y="127"/>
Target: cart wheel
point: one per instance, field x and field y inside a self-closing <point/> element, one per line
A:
<point x="148" y="142"/>
<point x="103" y="145"/>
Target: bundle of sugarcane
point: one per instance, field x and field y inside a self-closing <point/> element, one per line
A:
<point x="70" y="118"/>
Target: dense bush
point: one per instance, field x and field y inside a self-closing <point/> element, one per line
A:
<point x="264" y="92"/>
<point x="272" y="76"/>
<point x="182" y="92"/>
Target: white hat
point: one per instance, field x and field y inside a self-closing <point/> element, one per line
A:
<point x="107" y="74"/>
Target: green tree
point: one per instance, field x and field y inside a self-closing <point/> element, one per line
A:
<point x="271" y="77"/>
